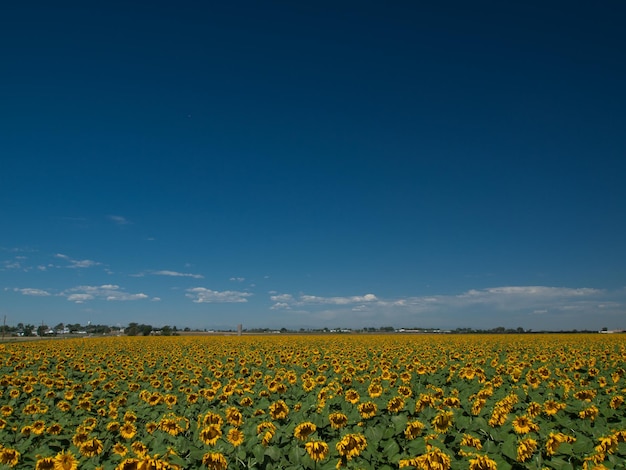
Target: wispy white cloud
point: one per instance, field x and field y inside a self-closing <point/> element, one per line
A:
<point x="480" y="308"/>
<point x="204" y="295"/>
<point x="165" y="272"/>
<point x="76" y="263"/>
<point x="281" y="306"/>
<point x="119" y="220"/>
<point x="287" y="300"/>
<point x="32" y="292"/>
<point x="109" y="292"/>
<point x="313" y="299"/>
<point x="12" y="264"/>
<point x="237" y="279"/>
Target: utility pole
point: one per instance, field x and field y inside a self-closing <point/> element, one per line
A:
<point x="4" y="327"/>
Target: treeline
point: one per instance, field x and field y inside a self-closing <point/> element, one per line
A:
<point x="137" y="329"/>
<point x="28" y="329"/>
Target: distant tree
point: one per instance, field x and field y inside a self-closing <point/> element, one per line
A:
<point x="28" y="329"/>
<point x="41" y="329"/>
<point x="166" y="330"/>
<point x="132" y="329"/>
<point x="59" y="327"/>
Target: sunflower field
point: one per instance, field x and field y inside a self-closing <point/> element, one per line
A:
<point x="431" y="402"/>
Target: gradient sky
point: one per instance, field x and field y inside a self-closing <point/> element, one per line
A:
<point x="314" y="164"/>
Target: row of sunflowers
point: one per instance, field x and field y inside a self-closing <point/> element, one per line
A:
<point x="315" y="402"/>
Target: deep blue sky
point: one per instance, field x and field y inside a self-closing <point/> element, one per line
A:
<point x="314" y="164"/>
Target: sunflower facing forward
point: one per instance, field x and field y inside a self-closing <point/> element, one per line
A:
<point x="317" y="450"/>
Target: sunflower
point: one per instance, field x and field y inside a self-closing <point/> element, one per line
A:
<point x="9" y="456"/>
<point x="212" y="418"/>
<point x="279" y="410"/>
<point x="425" y="400"/>
<point x="307" y="385"/>
<point x="246" y="401"/>
<point x="368" y="410"/>
<point x="54" y="429"/>
<point x="151" y="426"/>
<point x="317" y="450"/>
<point x="170" y="426"/>
<point x="80" y="437"/>
<point x="90" y="423"/>
<point x="413" y="429"/>
<point x="433" y="459"/>
<point x="524" y="425"/>
<point x="352" y="396"/>
<point x="130" y="417"/>
<point x="304" y="430"/>
<point x="482" y="462"/>
<point x="234" y="416"/>
<point x="235" y="437"/>
<point x="471" y="441"/>
<point x="442" y="421"/>
<point x="525" y="449"/>
<point x="119" y="449"/>
<point x="214" y="461"/>
<point x="30" y="409"/>
<point x="85" y="405"/>
<point x="128" y="430"/>
<point x="65" y="461"/>
<point x="113" y="426"/>
<point x="375" y="390"/>
<point x="395" y="405"/>
<point x="139" y="448"/>
<point x="154" y="399"/>
<point x="551" y="407"/>
<point x="590" y="413"/>
<point x="351" y="445"/>
<point x="91" y="448"/>
<point x="44" y="463"/>
<point x="555" y="440"/>
<point x="38" y="427"/>
<point x="210" y="434"/>
<point x="585" y="395"/>
<point x="128" y="464"/>
<point x="152" y="463"/>
<point x="534" y="409"/>
<point x="616" y="401"/>
<point x="64" y="406"/>
<point x="337" y="420"/>
<point x="265" y="426"/>
<point x="608" y="445"/>
<point x="6" y="410"/>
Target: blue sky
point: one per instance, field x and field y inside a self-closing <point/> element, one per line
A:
<point x="317" y="164"/>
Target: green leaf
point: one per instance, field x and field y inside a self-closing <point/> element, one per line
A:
<point x="559" y="464"/>
<point x="273" y="452"/>
<point x="582" y="445"/>
<point x="296" y="454"/>
<point x="509" y="448"/>
<point x="391" y="449"/>
<point x="373" y="434"/>
<point x="399" y="422"/>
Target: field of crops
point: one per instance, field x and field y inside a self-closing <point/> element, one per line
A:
<point x="315" y="402"/>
